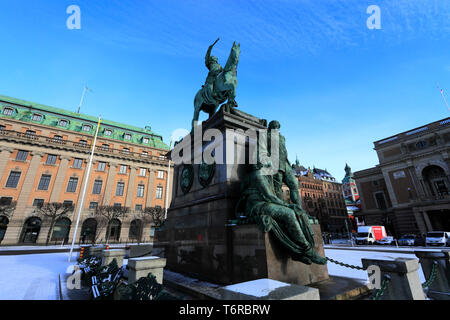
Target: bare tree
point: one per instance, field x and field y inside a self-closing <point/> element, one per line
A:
<point x="52" y="211"/>
<point x="154" y="215"/>
<point x="7" y="207"/>
<point x="105" y="214"/>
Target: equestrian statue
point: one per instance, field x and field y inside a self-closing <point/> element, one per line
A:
<point x="220" y="84"/>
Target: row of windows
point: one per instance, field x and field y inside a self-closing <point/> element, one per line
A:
<point x="92" y="205"/>
<point x="85" y="127"/>
<point x="44" y="183"/>
<point x="77" y="164"/>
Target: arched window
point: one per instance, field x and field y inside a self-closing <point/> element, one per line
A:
<point x="135" y="230"/>
<point x="3" y="226"/>
<point x="113" y="231"/>
<point x="436" y="180"/>
<point x="88" y="230"/>
<point x="31" y="229"/>
<point x="61" y="230"/>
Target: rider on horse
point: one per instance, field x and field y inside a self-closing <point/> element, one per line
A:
<point x="212" y="63"/>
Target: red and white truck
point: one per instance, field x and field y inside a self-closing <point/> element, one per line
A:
<point x="370" y="234"/>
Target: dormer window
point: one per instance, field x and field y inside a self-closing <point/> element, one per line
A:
<point x="127" y="136"/>
<point x="36" y="117"/>
<point x="63" y="123"/>
<point x="145" y="140"/>
<point x="8" y="111"/>
<point x="87" y="127"/>
<point x="108" y="132"/>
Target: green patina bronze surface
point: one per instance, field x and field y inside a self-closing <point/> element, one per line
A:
<point x="289" y="222"/>
<point x="187" y="178"/>
<point x="220" y="84"/>
<point x="206" y="173"/>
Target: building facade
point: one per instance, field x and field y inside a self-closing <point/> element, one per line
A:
<point x="321" y="197"/>
<point x="44" y="154"/>
<point x="408" y="191"/>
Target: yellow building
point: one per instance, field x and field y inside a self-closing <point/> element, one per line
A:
<point x="44" y="153"/>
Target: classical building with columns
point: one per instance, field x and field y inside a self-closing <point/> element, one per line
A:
<point x="44" y="154"/>
<point x="408" y="191"/>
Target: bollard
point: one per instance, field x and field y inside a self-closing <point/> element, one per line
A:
<point x="405" y="282"/>
<point x="110" y="255"/>
<point x="141" y="267"/>
<point x="440" y="288"/>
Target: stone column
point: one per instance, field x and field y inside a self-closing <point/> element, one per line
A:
<point x="390" y="189"/>
<point x="4" y="158"/>
<point x="440" y="288"/>
<point x="59" y="180"/>
<point x="405" y="282"/>
<point x="16" y="222"/>
<point x="109" y="184"/>
<point x="427" y="221"/>
<point x="131" y="188"/>
<point x="170" y="182"/>
<point x="150" y="191"/>
<point x="28" y="182"/>
<point x="78" y="204"/>
<point x="141" y="267"/>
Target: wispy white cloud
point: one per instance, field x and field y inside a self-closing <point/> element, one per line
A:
<point x="278" y="27"/>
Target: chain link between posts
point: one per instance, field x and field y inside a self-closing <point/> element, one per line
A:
<point x="345" y="264"/>
<point x="433" y="274"/>
<point x="380" y="292"/>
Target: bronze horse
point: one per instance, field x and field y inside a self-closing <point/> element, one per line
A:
<point x="220" y="85"/>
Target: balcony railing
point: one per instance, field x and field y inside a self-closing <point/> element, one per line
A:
<point x="84" y="147"/>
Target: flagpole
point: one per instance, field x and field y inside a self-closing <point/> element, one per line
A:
<point x="80" y="206"/>
<point x="168" y="184"/>
<point x="82" y="98"/>
<point x="443" y="97"/>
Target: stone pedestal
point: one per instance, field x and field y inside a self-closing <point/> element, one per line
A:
<point x="141" y="267"/>
<point x="268" y="289"/>
<point x="260" y="255"/>
<point x="440" y="288"/>
<point x="195" y="238"/>
<point x="405" y="282"/>
<point x="140" y="250"/>
<point x="111" y="254"/>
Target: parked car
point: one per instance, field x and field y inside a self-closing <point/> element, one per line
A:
<point x="408" y="240"/>
<point x="388" y="240"/>
<point x="438" y="238"/>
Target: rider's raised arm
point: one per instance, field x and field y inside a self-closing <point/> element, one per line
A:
<point x="208" y="53"/>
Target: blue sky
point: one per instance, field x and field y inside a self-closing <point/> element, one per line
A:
<point x="334" y="85"/>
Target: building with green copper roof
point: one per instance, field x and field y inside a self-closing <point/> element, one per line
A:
<point x="50" y="116"/>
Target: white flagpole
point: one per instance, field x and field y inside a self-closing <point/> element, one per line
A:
<point x="82" y="98"/>
<point x="168" y="184"/>
<point x="80" y="207"/>
<point x="443" y="97"/>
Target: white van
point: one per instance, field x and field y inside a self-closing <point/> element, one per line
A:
<point x="370" y="234"/>
<point x="438" y="238"/>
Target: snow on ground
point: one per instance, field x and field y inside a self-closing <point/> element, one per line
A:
<point x="354" y="257"/>
<point x="32" y="276"/>
<point x="35" y="276"/>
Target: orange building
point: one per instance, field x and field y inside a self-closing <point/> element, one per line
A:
<point x="44" y="154"/>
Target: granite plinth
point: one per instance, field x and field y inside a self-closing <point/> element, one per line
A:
<point x="196" y="240"/>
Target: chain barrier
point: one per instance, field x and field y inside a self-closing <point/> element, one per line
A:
<point x="380" y="292"/>
<point x="433" y="274"/>
<point x="345" y="264"/>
